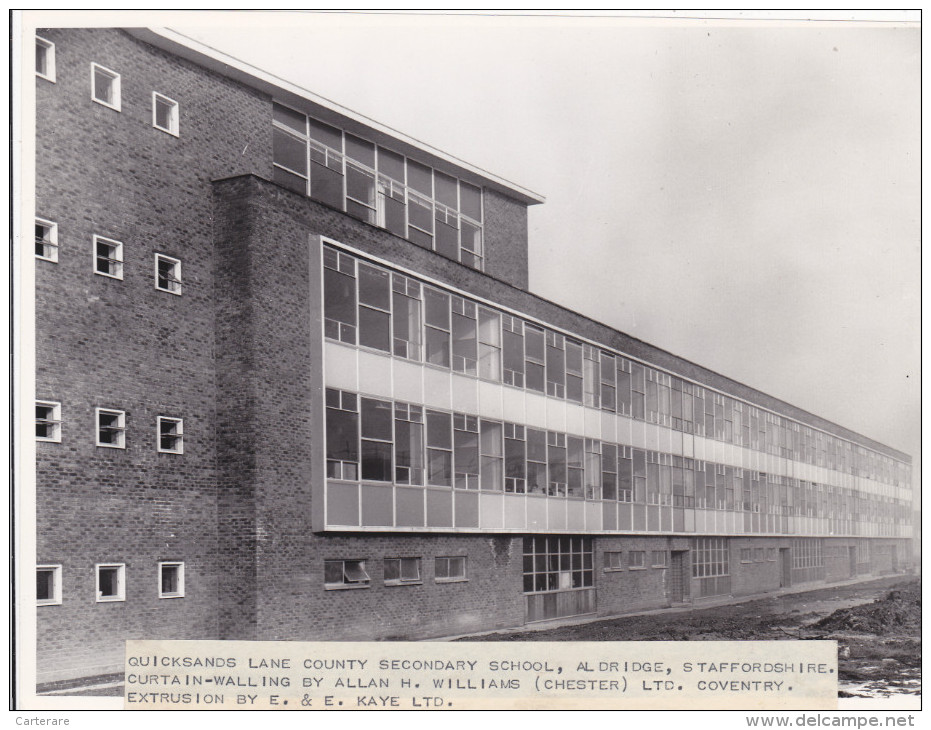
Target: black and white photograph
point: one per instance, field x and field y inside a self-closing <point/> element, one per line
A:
<point x="462" y="328"/>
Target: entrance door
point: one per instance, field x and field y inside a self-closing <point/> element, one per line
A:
<point x="852" y="551"/>
<point x="678" y="577"/>
<point x="895" y="559"/>
<point x="785" y="557"/>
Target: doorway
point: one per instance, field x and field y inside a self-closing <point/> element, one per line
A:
<point x="678" y="576"/>
<point x="785" y="561"/>
<point x="852" y="551"/>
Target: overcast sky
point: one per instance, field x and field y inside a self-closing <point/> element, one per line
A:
<point x="746" y="197"/>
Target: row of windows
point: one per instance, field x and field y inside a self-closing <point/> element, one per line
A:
<point x="430" y="208"/>
<point x="396" y="571"/>
<point x="110" y="582"/>
<point x="106" y="89"/>
<point x="108" y="257"/>
<point x="557" y="564"/>
<point x="372" y="307"/>
<point x="378" y="440"/>
<point x="636" y="559"/>
<point x="807" y="553"/>
<point x="110" y="428"/>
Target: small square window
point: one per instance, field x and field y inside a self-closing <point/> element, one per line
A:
<point x="658" y="559"/>
<point x="636" y="559"/>
<point x="167" y="274"/>
<point x="345" y="574"/>
<point x="108" y="257"/>
<point x="746" y="555"/>
<point x="614" y="560"/>
<point x="111" y="583"/>
<point x="105" y="86"/>
<point x="48" y="421"/>
<point x="164" y="113"/>
<point x="48" y="585"/>
<point x="400" y="571"/>
<point x="450" y="570"/>
<point x="111" y="428"/>
<point x="46" y="240"/>
<point x="45" y="59"/>
<point x="171" y="580"/>
<point x="170" y="435"/>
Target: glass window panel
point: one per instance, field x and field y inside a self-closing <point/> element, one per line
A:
<point x="447" y="240"/>
<point x="408" y="449"/>
<point x="491" y="438"/>
<point x="465" y="342"/>
<point x="290" y="118"/>
<point x="466" y="452"/>
<point x="536" y="445"/>
<point x="446" y="190"/>
<point x="289" y="151"/>
<point x="374" y="329"/>
<point x="374" y="286"/>
<point x="289" y="180"/>
<point x="326" y="185"/>
<point x="376" y="419"/>
<point x="513" y="351"/>
<point x="436" y="308"/>
<point x="376" y="461"/>
<point x="406" y="326"/>
<point x="342" y="435"/>
<point x="360" y="150"/>
<point x="395" y="216"/>
<point x="325" y="134"/>
<point x="391" y="164"/>
<point x="439" y="468"/>
<point x="439" y="430"/>
<point x="437" y="347"/>
<point x="420" y="178"/>
<point x="471" y="201"/>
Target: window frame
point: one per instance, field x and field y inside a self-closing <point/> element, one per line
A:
<point x="653" y="558"/>
<point x="177" y="435"/>
<point x="174" y="115"/>
<point x="52" y="241"/>
<point x="179" y="564"/>
<point x="615" y="563"/>
<point x="121" y="428"/>
<point x="56" y="420"/>
<point x="636" y="564"/>
<point x="116" y="86"/>
<point x="346" y="585"/>
<point x="463" y="578"/>
<point x="49" y="47"/>
<point x="401" y="580"/>
<point x="175" y="277"/>
<point x="116" y="260"/>
<point x="56" y="598"/>
<point x="120" y="582"/>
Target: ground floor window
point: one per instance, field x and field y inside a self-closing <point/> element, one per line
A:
<point x="807" y="559"/>
<point x="711" y="566"/>
<point x="558" y="577"/>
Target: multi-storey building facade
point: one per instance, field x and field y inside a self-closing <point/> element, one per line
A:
<point x="291" y="384"/>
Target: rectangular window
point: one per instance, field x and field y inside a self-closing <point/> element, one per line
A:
<point x="592" y="377"/>
<point x="111" y="428"/>
<point x="624" y="401"/>
<point x="167" y="274"/>
<point x="758" y="555"/>
<point x="574" y="385"/>
<point x="111" y="583"/>
<point x="614" y="560"/>
<point x="513" y="350"/>
<point x="170" y="580"/>
<point x="165" y="113"/>
<point x="437" y="329"/>
<point x="360" y="179"/>
<point x="658" y="558"/>
<point x="466" y="457"/>
<point x="339" y="296"/>
<point x="339" y="574"/>
<point x="637" y="391"/>
<point x="46" y="240"/>
<point x="170" y="435"/>
<point x="557" y="564"/>
<point x="48" y="421"/>
<point x="45" y="59"/>
<point x="289" y="148"/>
<point x="609" y="480"/>
<point x="342" y="435"/>
<point x="48" y="585"/>
<point x="408" y="444"/>
<point x="608" y="382"/>
<point x="536" y="461"/>
<point x="515" y="459"/>
<point x="593" y="469"/>
<point x="711" y="565"/>
<point x="556" y="463"/>
<point x="105" y="86"/>
<point x="374" y="307"/>
<point x="401" y="571"/>
<point x="636" y="559"/>
<point x="376" y="440"/>
<point x="465" y="336"/>
<point x="489" y="344"/>
<point x="326" y="163"/>
<point x="450" y="570"/>
<point x="406" y="320"/>
<point x="555" y="364"/>
<point x="439" y="449"/>
<point x="108" y="257"/>
<point x="534" y="353"/>
<point x="745" y="555"/>
<point x="492" y="451"/>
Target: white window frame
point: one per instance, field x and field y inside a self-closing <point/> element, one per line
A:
<point x="642" y="563"/>
<point x="49" y="47"/>
<point x="116" y="260"/>
<point x="121" y="427"/>
<point x="452" y="578"/>
<point x="401" y="580"/>
<point x="173" y="116"/>
<point x="608" y="568"/>
<point x="55" y="600"/>
<point x="120" y="582"/>
<point x="176" y="274"/>
<point x="171" y="564"/>
<point x="55" y="420"/>
<point x="117" y="91"/>
<point x="179" y="434"/>
<point x="346" y="584"/>
<point x="52" y="243"/>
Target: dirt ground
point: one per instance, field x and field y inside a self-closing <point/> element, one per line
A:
<point x="877" y="626"/>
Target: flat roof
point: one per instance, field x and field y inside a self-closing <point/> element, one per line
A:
<point x="329" y="111"/>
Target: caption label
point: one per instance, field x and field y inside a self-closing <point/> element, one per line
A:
<point x="283" y="675"/>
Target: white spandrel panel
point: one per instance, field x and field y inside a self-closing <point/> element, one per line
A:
<point x="375" y="374"/>
<point x="513" y="402"/>
<point x="556" y="415"/>
<point x="491" y="400"/>
<point x="609" y="427"/>
<point x="464" y="393"/>
<point x="340" y="367"/>
<point x="408" y="381"/>
<point x="535" y="409"/>
<point x="437" y="388"/>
